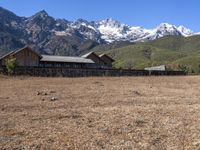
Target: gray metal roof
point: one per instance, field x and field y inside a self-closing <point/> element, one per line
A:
<point x="50" y="58"/>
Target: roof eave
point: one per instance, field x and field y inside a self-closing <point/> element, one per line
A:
<point x="18" y="50"/>
<point x="104" y="55"/>
<point x="67" y="62"/>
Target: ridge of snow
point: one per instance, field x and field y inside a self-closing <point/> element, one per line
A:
<point x="185" y="31"/>
<point x="111" y="30"/>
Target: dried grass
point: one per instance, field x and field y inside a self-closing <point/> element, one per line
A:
<point x="100" y="113"/>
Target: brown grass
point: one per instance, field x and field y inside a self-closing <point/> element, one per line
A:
<point x="100" y="113"/>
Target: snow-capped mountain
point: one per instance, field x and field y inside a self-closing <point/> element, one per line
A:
<point x="111" y="30"/>
<point x="185" y="31"/>
<point x="114" y="31"/>
<point x="59" y="36"/>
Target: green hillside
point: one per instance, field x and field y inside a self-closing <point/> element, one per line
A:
<point x="176" y="52"/>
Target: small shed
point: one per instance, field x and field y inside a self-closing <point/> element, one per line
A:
<point x="24" y="57"/>
<point x="156" y="68"/>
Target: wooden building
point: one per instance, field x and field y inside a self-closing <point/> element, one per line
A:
<point x="107" y="60"/>
<point x="24" y="57"/>
<point x="66" y="62"/>
<point x="27" y="57"/>
<point x="94" y="57"/>
<point x="156" y="68"/>
<point x="103" y="61"/>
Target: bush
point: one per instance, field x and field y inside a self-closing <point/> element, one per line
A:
<point x="184" y="68"/>
<point x="11" y="64"/>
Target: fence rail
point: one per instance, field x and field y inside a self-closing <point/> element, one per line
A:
<point x="80" y="72"/>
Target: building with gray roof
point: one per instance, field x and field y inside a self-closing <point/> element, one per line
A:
<point x="28" y="57"/>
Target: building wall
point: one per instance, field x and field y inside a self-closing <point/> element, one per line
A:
<point x="27" y="57"/>
<point x="66" y="65"/>
<point x="107" y="61"/>
<point x="100" y="63"/>
<point x="24" y="57"/>
<point x="96" y="59"/>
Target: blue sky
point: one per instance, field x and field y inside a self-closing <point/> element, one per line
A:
<point x="146" y="13"/>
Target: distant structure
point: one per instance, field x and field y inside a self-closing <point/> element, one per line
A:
<point x="156" y="68"/>
<point x="103" y="60"/>
<point x="67" y="62"/>
<point x="108" y="60"/>
<point x="96" y="59"/>
<point x="25" y="57"/>
<point x="31" y="63"/>
<point x="29" y="58"/>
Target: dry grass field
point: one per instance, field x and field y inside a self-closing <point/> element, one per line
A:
<point x="100" y="113"/>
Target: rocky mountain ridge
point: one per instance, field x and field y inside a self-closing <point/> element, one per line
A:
<point x="48" y="35"/>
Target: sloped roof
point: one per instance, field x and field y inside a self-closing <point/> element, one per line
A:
<point x="88" y="54"/>
<point x="50" y="58"/>
<point x="6" y="55"/>
<point x="17" y="51"/>
<point x="94" y="54"/>
<point x="104" y="55"/>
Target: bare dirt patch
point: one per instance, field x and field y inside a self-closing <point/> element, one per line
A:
<point x="100" y="113"/>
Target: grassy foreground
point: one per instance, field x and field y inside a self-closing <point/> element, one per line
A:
<point x="100" y="113"/>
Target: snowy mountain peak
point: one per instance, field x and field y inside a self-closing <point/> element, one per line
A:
<point x="111" y="23"/>
<point x="110" y="30"/>
<point x="166" y="25"/>
<point x="48" y="33"/>
<point x="185" y="31"/>
<point x="169" y="29"/>
<point x="113" y="30"/>
<point x="165" y="28"/>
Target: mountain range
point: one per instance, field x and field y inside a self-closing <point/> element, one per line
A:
<point x="48" y="35"/>
<point x="132" y="47"/>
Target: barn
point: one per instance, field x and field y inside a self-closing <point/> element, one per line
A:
<point x="66" y="62"/>
<point x="29" y="58"/>
<point x="107" y="60"/>
<point x="103" y="60"/>
<point x="24" y="56"/>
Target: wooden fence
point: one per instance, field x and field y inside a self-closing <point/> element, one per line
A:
<point x="80" y="72"/>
